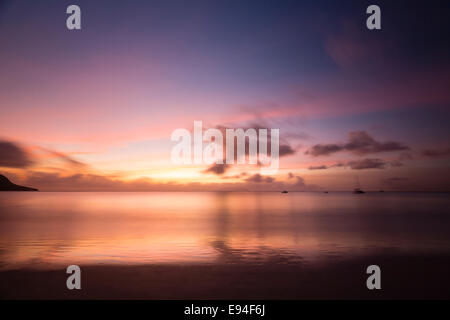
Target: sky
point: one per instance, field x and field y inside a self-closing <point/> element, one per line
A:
<point x="94" y="109"/>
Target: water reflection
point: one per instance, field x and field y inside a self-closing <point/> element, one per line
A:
<point x="49" y="229"/>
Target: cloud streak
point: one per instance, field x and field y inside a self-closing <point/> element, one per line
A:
<point x="217" y="168"/>
<point x="369" y="163"/>
<point x="431" y="153"/>
<point x="257" y="178"/>
<point x="322" y="167"/>
<point x="64" y="157"/>
<point x="360" y="143"/>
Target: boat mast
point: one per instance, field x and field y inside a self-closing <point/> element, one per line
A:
<point x="358" y="186"/>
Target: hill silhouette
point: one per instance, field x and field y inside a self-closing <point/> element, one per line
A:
<point x="6" y="185"/>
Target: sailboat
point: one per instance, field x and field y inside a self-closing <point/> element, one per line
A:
<point x="357" y="190"/>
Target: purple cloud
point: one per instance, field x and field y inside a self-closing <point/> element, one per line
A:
<point x="436" y="153"/>
<point x="257" y="178"/>
<point x="13" y="156"/>
<point x="322" y="167"/>
<point x="367" y="164"/>
<point x="359" y="142"/>
<point x="217" y="168"/>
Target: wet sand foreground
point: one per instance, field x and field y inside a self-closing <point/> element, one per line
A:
<point x="402" y="277"/>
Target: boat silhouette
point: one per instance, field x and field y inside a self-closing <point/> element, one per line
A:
<point x="358" y="189"/>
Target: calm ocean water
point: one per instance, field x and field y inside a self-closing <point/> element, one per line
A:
<point x="45" y="229"/>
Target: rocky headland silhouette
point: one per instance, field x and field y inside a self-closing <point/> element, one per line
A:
<point x="6" y="185"/>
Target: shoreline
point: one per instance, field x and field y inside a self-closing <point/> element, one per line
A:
<point x="403" y="276"/>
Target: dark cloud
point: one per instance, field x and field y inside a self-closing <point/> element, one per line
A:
<point x="257" y="178"/>
<point x="286" y="150"/>
<point x="323" y="167"/>
<point x="359" y="142"/>
<point x="436" y="153"/>
<point x="217" y="168"/>
<point x="367" y="164"/>
<point x="323" y="149"/>
<point x="337" y="165"/>
<point x="361" y="164"/>
<point x="298" y="184"/>
<point x="13" y="156"/>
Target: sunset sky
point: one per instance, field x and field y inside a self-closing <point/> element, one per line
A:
<point x="94" y="109"/>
